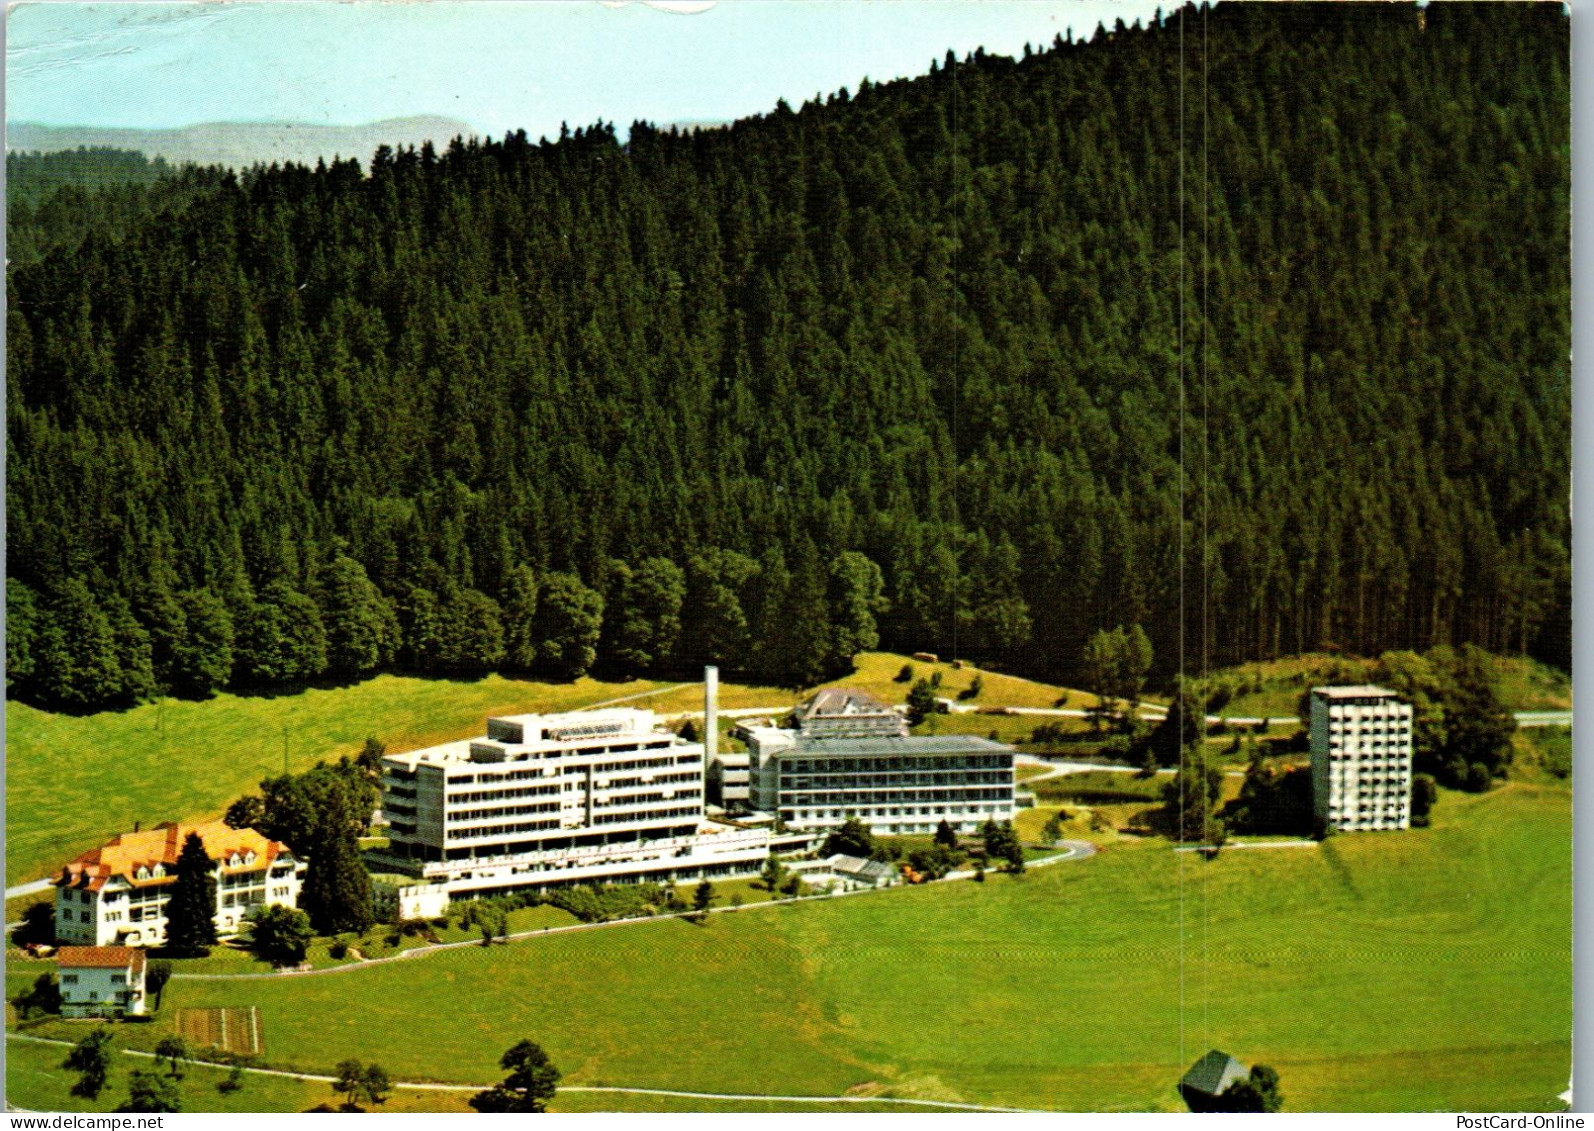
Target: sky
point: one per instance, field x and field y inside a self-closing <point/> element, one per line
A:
<point x="498" y="65"/>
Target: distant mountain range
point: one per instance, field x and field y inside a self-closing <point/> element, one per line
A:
<point x="241" y="144"/>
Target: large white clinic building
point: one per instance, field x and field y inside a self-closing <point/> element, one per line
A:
<point x="852" y="756"/>
<point x="1361" y="758"/>
<point x="606" y="795"/>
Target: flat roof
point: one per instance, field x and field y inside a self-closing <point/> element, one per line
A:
<point x="626" y="723"/>
<point x="636" y="717"/>
<point x="902" y="744"/>
<point x="447" y="752"/>
<point x="1357" y="691"/>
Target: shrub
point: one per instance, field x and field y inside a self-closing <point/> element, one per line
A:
<point x="1047" y="734"/>
<point x="1116" y="748"/>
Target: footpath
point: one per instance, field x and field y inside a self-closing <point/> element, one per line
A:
<point x="422" y="1086"/>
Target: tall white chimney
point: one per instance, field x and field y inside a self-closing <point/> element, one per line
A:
<point x="711" y="711"/>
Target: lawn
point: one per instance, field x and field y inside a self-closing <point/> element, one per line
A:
<point x="876" y="672"/>
<point x="35" y="1080"/>
<point x="73" y="782"/>
<point x="1523" y="684"/>
<point x="1102" y="786"/>
<point x="1012" y="729"/>
<point x="1424" y="970"/>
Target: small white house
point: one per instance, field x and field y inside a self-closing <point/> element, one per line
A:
<point x="101" y="981"/>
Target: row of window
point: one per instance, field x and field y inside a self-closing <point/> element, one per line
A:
<point x="887" y="796"/>
<point x="504" y="811"/>
<point x="656" y="779"/>
<point x="875" y="763"/>
<point x="661" y="759"/>
<point x="892" y="780"/>
<point x="611" y="818"/>
<point x="489" y="831"/>
<point x="501" y="794"/>
<point x="806" y="814"/>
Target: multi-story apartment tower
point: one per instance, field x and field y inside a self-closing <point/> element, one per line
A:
<point x="852" y="756"/>
<point x="552" y="799"/>
<point x="1361" y="758"/>
<point x="116" y="894"/>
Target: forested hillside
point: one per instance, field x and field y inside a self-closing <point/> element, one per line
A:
<point x="905" y="361"/>
<point x="55" y="199"/>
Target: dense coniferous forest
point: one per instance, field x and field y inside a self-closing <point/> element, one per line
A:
<point x="899" y="366"/>
<point x="54" y="199"/>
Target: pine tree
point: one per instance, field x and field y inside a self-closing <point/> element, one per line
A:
<point x="191" y="910"/>
<point x="519" y="616"/>
<point x="24" y="613"/>
<point x="76" y="651"/>
<point x="337" y="888"/>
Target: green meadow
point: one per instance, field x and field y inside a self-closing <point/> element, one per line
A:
<point x="1429" y="970"/>
<point x="1274" y="687"/>
<point x="74" y="781"/>
<point x="35" y="1081"/>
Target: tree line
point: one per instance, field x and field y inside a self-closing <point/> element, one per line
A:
<point x="903" y="365"/>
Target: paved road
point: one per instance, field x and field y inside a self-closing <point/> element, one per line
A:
<point x="28" y="889"/>
<point x="1063" y="769"/>
<point x="1544" y="718"/>
<point x="1250" y="844"/>
<point x="1157" y="714"/>
<point x="638" y="695"/>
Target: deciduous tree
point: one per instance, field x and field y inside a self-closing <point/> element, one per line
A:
<point x="280" y="935"/>
<point x="530" y="1086"/>
<point x="90" y="1058"/>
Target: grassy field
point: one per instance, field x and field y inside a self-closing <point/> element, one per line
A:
<point x="876" y="673"/>
<point x="1426" y="970"/>
<point x="34" y="1081"/>
<point x="1274" y="686"/>
<point x="75" y="781"/>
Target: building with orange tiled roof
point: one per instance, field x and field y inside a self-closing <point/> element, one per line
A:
<point x="101" y="981"/>
<point x="116" y="894"/>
